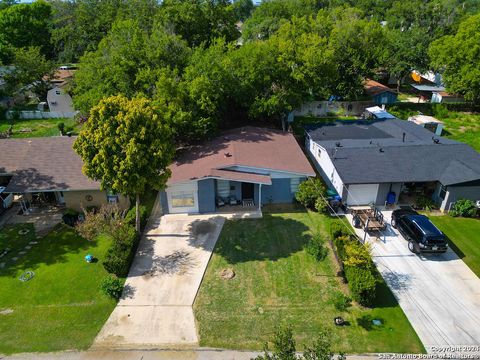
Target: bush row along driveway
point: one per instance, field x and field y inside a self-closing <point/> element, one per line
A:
<point x="439" y="293"/>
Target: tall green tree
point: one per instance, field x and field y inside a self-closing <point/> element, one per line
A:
<point x="127" y="146"/>
<point x="199" y="21"/>
<point x="242" y="9"/>
<point x="78" y="26"/>
<point x="126" y="62"/>
<point x="30" y="67"/>
<point x="270" y="15"/>
<point x="407" y="50"/>
<point x="25" y="25"/>
<point x="458" y="57"/>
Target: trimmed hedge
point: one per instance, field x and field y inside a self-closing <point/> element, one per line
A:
<point x="130" y="217"/>
<point x="362" y="280"/>
<point x="120" y="254"/>
<point x="362" y="284"/>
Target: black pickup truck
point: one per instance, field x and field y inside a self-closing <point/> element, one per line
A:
<point x="419" y="231"/>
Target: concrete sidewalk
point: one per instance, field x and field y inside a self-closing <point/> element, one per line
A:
<point x="438" y="293"/>
<point x="155" y="310"/>
<point x="198" y="354"/>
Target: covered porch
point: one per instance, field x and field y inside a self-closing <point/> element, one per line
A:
<point x="416" y="194"/>
<point x="243" y="193"/>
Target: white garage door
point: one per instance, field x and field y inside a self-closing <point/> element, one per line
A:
<point x="362" y="194"/>
<point x="183" y="198"/>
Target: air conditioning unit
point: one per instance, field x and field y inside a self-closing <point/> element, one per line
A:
<point x="477" y="203"/>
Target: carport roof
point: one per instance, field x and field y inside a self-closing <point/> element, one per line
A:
<point x="43" y="164"/>
<point x="377" y="152"/>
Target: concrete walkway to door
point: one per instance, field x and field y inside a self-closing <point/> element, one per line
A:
<point x="156" y="306"/>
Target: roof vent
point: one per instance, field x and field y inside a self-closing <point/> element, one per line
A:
<point x="436" y="141"/>
<point x="403" y="139"/>
<point x="227" y="155"/>
<point x="381" y="150"/>
<point x="338" y="144"/>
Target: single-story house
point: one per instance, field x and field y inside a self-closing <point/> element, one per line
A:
<point x="428" y="122"/>
<point x="61" y="102"/>
<point x="444" y="97"/>
<point x="47" y="170"/>
<point x="425" y="91"/>
<point x="245" y="167"/>
<point x="392" y="160"/>
<point x="380" y="93"/>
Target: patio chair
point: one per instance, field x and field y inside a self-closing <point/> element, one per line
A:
<point x="233" y="200"/>
<point x="220" y="202"/>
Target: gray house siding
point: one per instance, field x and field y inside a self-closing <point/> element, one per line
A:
<point x="164" y="202"/>
<point x="278" y="192"/>
<point x="206" y="196"/>
<point x="384" y="189"/>
<point x="385" y="98"/>
<point x="455" y="193"/>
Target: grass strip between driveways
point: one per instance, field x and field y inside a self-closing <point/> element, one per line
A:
<point x="278" y="282"/>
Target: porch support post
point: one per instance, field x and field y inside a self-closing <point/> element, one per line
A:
<point x="259" y="196"/>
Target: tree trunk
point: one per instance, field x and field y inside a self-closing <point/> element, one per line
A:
<point x="398" y="85"/>
<point x="137" y="213"/>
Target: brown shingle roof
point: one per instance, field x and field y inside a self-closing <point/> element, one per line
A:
<point x="373" y="87"/>
<point x="251" y="147"/>
<point x="43" y="164"/>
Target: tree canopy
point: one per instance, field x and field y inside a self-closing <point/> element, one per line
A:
<point x="458" y="57"/>
<point x="127" y="146"/>
<point x="24" y="25"/>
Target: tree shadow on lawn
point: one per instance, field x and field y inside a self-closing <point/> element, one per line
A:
<point x="268" y="238"/>
<point x="51" y="249"/>
<point x="384" y="297"/>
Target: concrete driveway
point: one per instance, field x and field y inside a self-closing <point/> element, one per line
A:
<point x="155" y="310"/>
<point x="439" y="294"/>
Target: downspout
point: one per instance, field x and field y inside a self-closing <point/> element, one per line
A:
<point x="260" y="197"/>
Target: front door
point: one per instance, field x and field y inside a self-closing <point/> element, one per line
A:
<point x="247" y="191"/>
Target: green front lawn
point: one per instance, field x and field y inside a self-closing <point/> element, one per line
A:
<point x="464" y="234"/>
<point x="61" y="307"/>
<point x="278" y="282"/>
<point x="37" y="127"/>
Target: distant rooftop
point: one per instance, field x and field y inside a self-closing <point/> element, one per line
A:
<point x="428" y="88"/>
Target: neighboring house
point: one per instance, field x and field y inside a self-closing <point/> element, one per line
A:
<point x="59" y="101"/>
<point x="428" y="122"/>
<point x="48" y="170"/>
<point x="365" y="161"/>
<point x="425" y="91"/>
<point x="380" y="93"/>
<point x="444" y="97"/>
<point x="246" y="167"/>
<point x="62" y="76"/>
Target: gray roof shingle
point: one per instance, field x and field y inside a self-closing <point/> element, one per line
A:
<point x="376" y="152"/>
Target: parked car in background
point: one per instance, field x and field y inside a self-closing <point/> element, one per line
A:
<point x="6" y="200"/>
<point x="419" y="231"/>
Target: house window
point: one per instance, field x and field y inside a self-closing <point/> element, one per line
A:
<point x="112" y="198"/>
<point x="183" y="199"/>
<point x="294" y="182"/>
<point x="443" y="192"/>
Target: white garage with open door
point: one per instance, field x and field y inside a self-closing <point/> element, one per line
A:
<point x="362" y="194"/>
